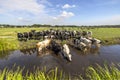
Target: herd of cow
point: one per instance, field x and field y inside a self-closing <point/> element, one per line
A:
<point x="55" y="34"/>
<point x="81" y="40"/>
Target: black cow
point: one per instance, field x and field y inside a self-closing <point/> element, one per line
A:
<point x="20" y="36"/>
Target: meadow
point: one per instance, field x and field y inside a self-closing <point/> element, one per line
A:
<point x="101" y="33"/>
<point x="8" y="36"/>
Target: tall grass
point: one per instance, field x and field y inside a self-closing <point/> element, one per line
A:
<point x="106" y="73"/>
<point x="37" y="75"/>
<point x="99" y="73"/>
<point x="13" y="44"/>
<point x="8" y="44"/>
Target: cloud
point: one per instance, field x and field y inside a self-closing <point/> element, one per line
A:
<point x="1" y="11"/>
<point x="21" y="5"/>
<point x="24" y="11"/>
<point x="66" y="6"/>
<point x="64" y="15"/>
<point x="21" y="19"/>
<point x="110" y="20"/>
<point x="32" y="12"/>
<point x="45" y="2"/>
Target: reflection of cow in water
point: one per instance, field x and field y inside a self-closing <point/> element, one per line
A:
<point x="29" y="51"/>
<point x="55" y="47"/>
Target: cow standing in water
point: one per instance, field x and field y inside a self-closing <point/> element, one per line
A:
<point x="58" y="49"/>
<point x="66" y="52"/>
<point x="55" y="47"/>
<point x="43" y="44"/>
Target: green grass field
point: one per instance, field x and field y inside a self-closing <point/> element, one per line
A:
<point x="101" y="33"/>
<point x="8" y="36"/>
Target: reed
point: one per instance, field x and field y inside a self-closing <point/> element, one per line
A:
<point x="106" y="73"/>
<point x="99" y="73"/>
<point x="7" y="74"/>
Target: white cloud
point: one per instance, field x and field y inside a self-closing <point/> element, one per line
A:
<point x="64" y="15"/>
<point x="1" y="10"/>
<point x="21" y="19"/>
<point x="32" y="12"/>
<point x="21" y="5"/>
<point x="110" y="20"/>
<point x="66" y="6"/>
<point x="45" y="2"/>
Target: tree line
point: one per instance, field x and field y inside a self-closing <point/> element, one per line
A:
<point x="45" y="25"/>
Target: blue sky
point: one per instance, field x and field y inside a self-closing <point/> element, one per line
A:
<point x="60" y="12"/>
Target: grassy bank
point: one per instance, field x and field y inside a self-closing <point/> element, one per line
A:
<point x="8" y="44"/>
<point x="99" y="73"/>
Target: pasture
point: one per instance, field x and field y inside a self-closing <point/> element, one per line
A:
<point x="106" y="35"/>
<point x="109" y="34"/>
<point x="90" y="65"/>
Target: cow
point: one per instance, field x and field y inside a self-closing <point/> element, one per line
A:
<point x="66" y="52"/>
<point x="43" y="44"/>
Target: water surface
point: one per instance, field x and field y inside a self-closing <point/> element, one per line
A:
<point x="80" y="61"/>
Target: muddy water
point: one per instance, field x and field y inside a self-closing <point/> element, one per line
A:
<point x="29" y="59"/>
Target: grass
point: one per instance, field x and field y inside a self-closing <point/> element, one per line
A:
<point x="99" y="73"/>
<point x="10" y="41"/>
<point x="102" y="33"/>
<point x="106" y="73"/>
<point x="8" y="44"/>
<point x="107" y="35"/>
<point x="111" y="35"/>
<point x="17" y="74"/>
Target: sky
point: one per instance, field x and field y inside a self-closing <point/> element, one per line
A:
<point x="60" y="12"/>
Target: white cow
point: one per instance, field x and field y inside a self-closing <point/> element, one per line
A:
<point x="82" y="46"/>
<point x="86" y="41"/>
<point x="43" y="44"/>
<point x="66" y="52"/>
<point x="49" y="37"/>
<point x="96" y="42"/>
<point x="89" y="34"/>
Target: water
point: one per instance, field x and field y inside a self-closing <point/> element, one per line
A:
<point x="30" y="59"/>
